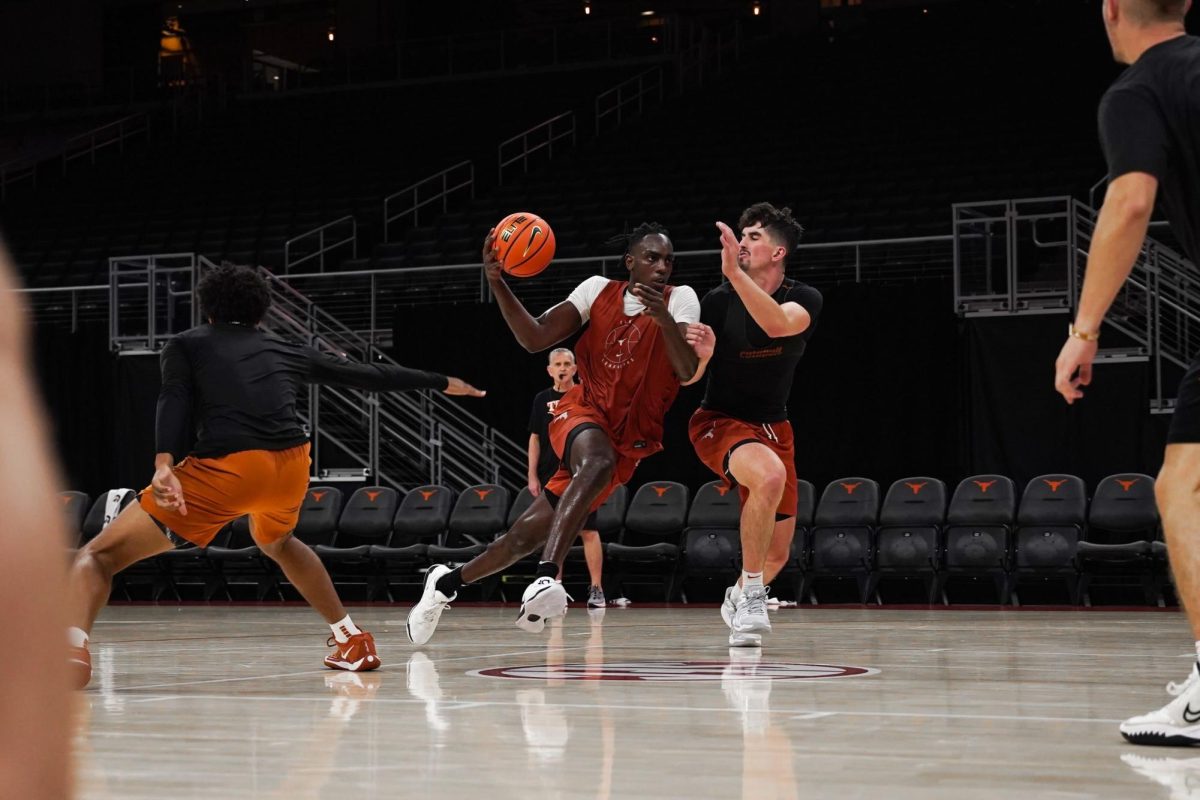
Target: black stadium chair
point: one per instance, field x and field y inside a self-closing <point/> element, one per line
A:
<point x="1050" y="522"/>
<point x="241" y="563"/>
<point x="74" y="508"/>
<point x="978" y="539"/>
<point x="365" y="521"/>
<point x="480" y="515"/>
<point x="843" y="533"/>
<point x="649" y="548"/>
<point x="712" y="550"/>
<point x="104" y="510"/>
<point x="420" y="521"/>
<point x="795" y="570"/>
<point x="908" y="539"/>
<point x="610" y="517"/>
<point x="524" y="501"/>
<point x="319" y="515"/>
<point x="1122" y="523"/>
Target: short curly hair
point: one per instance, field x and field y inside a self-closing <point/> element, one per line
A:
<point x="233" y="293"/>
<point x="779" y="221"/>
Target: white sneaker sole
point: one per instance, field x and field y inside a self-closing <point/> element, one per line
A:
<point x="542" y="606"/>
<point x="744" y="639"/>
<point x="1164" y="735"/>
<point x="431" y="579"/>
<point x="759" y="625"/>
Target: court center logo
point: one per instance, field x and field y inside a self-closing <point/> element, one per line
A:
<point x="677" y="671"/>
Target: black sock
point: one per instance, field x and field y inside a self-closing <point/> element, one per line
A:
<point x="547" y="569"/>
<point x="451" y="582"/>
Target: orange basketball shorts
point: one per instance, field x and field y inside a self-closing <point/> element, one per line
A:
<point x="715" y="436"/>
<point x="570" y="419"/>
<point x="269" y="485"/>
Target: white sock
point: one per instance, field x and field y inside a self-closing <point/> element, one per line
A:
<point x="343" y="629"/>
<point x="751" y="580"/>
<point x="77" y="638"/>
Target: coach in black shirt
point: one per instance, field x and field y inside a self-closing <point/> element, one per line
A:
<point x="1150" y="132"/>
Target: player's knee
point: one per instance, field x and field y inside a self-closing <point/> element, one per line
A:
<point x="1175" y="487"/>
<point x="598" y="467"/>
<point x="98" y="558"/>
<point x="770" y="480"/>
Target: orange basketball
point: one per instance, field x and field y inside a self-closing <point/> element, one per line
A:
<point x="524" y="244"/>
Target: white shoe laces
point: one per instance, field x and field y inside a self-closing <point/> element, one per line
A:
<point x="756" y="603"/>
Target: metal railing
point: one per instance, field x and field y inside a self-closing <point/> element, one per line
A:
<point x="538" y="138"/>
<point x="1013" y="255"/>
<point x="151" y="298"/>
<point x="87" y="144"/>
<point x="706" y="52"/>
<point x="402" y="438"/>
<point x="365" y="299"/>
<point x="67" y="305"/>
<point x="446" y="182"/>
<point x="312" y="245"/>
<point x="615" y="103"/>
<point x="83" y="145"/>
<point x="1029" y="256"/>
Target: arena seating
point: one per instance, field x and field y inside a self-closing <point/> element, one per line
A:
<point x="668" y="543"/>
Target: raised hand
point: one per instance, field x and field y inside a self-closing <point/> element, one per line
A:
<point x="458" y="386"/>
<point x="491" y="262"/>
<point x="729" y="250"/>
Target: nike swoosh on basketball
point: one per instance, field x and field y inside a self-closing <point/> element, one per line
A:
<point x="532" y="235"/>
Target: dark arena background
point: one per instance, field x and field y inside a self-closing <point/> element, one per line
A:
<point x="979" y="635"/>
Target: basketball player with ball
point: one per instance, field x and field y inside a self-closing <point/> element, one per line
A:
<point x="632" y="359"/>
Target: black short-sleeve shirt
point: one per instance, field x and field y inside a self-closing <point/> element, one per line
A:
<point x="544" y="403"/>
<point x="750" y="374"/>
<point x="1150" y="122"/>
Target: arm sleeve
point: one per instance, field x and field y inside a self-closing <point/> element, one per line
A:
<point x="585" y="294"/>
<point x="1133" y="135"/>
<point x="328" y="368"/>
<point x="173" y="415"/>
<point x="684" y="305"/>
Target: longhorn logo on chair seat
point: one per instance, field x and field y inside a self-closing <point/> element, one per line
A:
<point x="917" y="487"/>
<point x="661" y="490"/>
<point x="318" y="496"/>
<point x="426" y="495"/>
<point x="1126" y="485"/>
<point x="483" y="493"/>
<point x="722" y="490"/>
<point x="372" y="496"/>
<point x="983" y="485"/>
<point x="66" y="498"/>
<point x="850" y="487"/>
<point x="1053" y="484"/>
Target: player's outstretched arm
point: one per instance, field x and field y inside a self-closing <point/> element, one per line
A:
<point x="777" y="320"/>
<point x="327" y="368"/>
<point x="534" y="334"/>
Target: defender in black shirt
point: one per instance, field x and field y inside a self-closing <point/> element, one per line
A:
<point x="239" y="387"/>
<point x="761" y="321"/>
<point x="1150" y="132"/>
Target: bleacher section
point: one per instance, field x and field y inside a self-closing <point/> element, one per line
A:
<point x="675" y="544"/>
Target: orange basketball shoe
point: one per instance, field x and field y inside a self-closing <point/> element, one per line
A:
<point x="356" y="655"/>
<point x="79" y="663"/>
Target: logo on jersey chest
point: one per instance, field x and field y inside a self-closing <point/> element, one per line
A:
<point x="551" y="407"/>
<point x="620" y="343"/>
